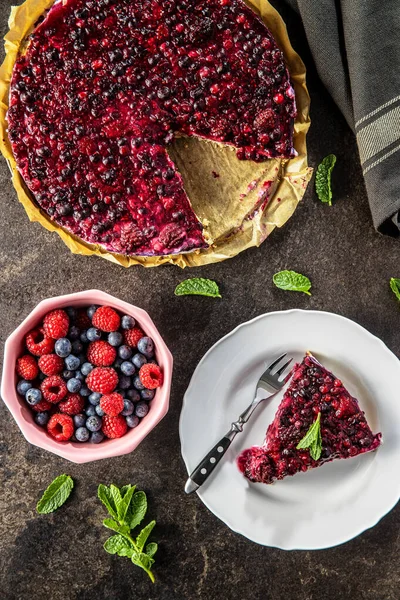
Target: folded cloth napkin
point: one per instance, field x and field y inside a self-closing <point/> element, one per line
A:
<point x="356" y="49"/>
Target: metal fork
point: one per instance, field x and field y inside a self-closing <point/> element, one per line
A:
<point x="270" y="382"/>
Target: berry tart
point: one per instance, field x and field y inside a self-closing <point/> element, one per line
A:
<point x="317" y="421"/>
<point x="104" y="86"/>
<point x="88" y="374"/>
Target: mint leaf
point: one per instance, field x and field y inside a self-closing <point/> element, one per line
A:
<point x="312" y="440"/>
<point x="198" y="287"/>
<point x="151" y="549"/>
<point x="395" y="287"/>
<point x="125" y="489"/>
<point x="144" y="534"/>
<point x="55" y="495"/>
<point x="323" y="179"/>
<point x="117" y="544"/>
<point x="290" y="280"/>
<point x="124" y="506"/>
<point x="143" y="561"/>
<point x="105" y="495"/>
<point x="137" y="509"/>
<point x="117" y="527"/>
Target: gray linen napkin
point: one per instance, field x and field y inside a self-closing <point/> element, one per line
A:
<point x="356" y="48"/>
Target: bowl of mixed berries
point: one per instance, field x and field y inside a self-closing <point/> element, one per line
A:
<point x="86" y="376"/>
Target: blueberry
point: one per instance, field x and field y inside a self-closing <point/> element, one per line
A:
<point x="93" y="334"/>
<point x="128" y="408"/>
<point x="127" y="368"/>
<point x="83" y="337"/>
<point x="77" y="347"/>
<point x="90" y="410"/>
<point x="117" y="364"/>
<point x="73" y="333"/>
<point x="125" y="382"/>
<point x="141" y="409"/>
<point x="79" y="375"/>
<point x="63" y="347"/>
<point x="71" y="312"/>
<point x="72" y="362"/>
<point x="33" y="396"/>
<point x="137" y="383"/>
<point x="42" y="418"/>
<point x="86" y="368"/>
<point x="146" y="346"/>
<point x="94" y="423"/>
<point x="132" y="421"/>
<point x="96" y="437"/>
<point x="124" y="352"/>
<point x="147" y="394"/>
<point x="99" y="411"/>
<point x="68" y="374"/>
<point x="91" y="310"/>
<point x="74" y="385"/>
<point x="127" y="322"/>
<point x="139" y="360"/>
<point x="82" y="434"/>
<point x="133" y="395"/>
<point x="79" y="420"/>
<point x="85" y="391"/>
<point x="23" y="386"/>
<point x="94" y="398"/>
<point x="115" y="338"/>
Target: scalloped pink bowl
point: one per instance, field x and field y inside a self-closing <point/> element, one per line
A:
<point x="73" y="451"/>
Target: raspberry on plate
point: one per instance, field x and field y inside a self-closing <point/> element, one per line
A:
<point x="54" y="389"/>
<point x="132" y="336"/>
<point x="151" y="376"/>
<point x="102" y="379"/>
<point x="72" y="405"/>
<point x="51" y="364"/>
<point x="61" y="427"/>
<point x="114" y="427"/>
<point x="101" y="353"/>
<point x="112" y="404"/>
<point x="38" y="343"/>
<point x="106" y="319"/>
<point x="56" y="324"/>
<point x="27" y="367"/>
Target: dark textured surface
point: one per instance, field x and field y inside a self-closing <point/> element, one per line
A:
<point x="60" y="556"/>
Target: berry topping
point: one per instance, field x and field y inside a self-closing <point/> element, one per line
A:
<point x="102" y="379"/>
<point x="101" y="354"/>
<point x="51" y="364"/>
<point x="27" y="367"/>
<point x="38" y="343"/>
<point x="132" y="337"/>
<point x="61" y="427"/>
<point x="151" y="376"/>
<point x="106" y="319"/>
<point x="114" y="427"/>
<point x="72" y="405"/>
<point x="56" y="324"/>
<point x="54" y="389"/>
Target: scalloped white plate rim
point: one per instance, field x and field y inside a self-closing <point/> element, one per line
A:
<point x="241" y="523"/>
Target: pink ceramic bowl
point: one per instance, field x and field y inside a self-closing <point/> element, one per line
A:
<point x="73" y="451"/>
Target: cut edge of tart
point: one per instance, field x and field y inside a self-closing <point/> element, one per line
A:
<point x="316" y="422"/>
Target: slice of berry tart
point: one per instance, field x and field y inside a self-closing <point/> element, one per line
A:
<point x="316" y="422"/>
<point x="105" y="85"/>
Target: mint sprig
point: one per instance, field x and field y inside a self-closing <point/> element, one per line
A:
<point x="323" y="179"/>
<point x="127" y="507"/>
<point x="395" y="287"/>
<point x="290" y="280"/>
<point x="198" y="286"/>
<point x="55" y="495"/>
<point x="312" y="440"/>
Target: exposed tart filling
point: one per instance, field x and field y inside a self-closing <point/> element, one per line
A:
<point x="344" y="429"/>
<point x="103" y="88"/>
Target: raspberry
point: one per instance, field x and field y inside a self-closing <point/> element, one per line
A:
<point x="82" y="320"/>
<point x="101" y="354"/>
<point x="265" y="120"/>
<point x="51" y="364"/>
<point x="114" y="427"/>
<point x="132" y="336"/>
<point x="72" y="405"/>
<point x="60" y="427"/>
<point x="151" y="376"/>
<point x="112" y="404"/>
<point x="27" y="367"/>
<point x="42" y="406"/>
<point x="56" y="324"/>
<point x="54" y="389"/>
<point x="38" y="343"/>
<point x="106" y="319"/>
<point x="102" y="379"/>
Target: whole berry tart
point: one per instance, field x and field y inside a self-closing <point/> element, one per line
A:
<point x="317" y="421"/>
<point x="104" y="86"/>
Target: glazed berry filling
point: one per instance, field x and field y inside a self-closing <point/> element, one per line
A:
<point x="344" y="429"/>
<point x="103" y="88"/>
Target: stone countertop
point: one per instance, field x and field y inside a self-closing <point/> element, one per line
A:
<point x="60" y="556"/>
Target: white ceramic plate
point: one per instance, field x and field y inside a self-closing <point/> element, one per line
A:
<point x="325" y="506"/>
